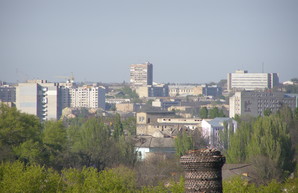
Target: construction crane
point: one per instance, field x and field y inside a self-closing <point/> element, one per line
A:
<point x="69" y="79"/>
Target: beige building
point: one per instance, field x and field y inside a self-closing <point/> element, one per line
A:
<point x="88" y="97"/>
<point x="242" y="80"/>
<point x="160" y="124"/>
<point x="254" y="103"/>
<point x="126" y="107"/>
<point x="159" y="90"/>
<point x="40" y="98"/>
<point x="141" y="74"/>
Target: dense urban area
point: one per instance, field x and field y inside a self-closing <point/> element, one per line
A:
<point x="73" y="136"/>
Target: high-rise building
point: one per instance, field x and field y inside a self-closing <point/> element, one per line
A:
<point x="242" y="80"/>
<point x="141" y="75"/>
<point x="254" y="103"/>
<point x="87" y="96"/>
<point x="40" y="98"/>
<point x="7" y="93"/>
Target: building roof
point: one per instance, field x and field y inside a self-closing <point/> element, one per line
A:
<point x="218" y="121"/>
<point x="153" y="142"/>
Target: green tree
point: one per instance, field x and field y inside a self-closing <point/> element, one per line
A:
<point x="54" y="138"/>
<point x="15" y="129"/>
<point x="204" y="113"/>
<point x="183" y="143"/>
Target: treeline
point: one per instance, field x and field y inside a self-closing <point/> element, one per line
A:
<point x="17" y="177"/>
<point x="268" y="143"/>
<point x="75" y="143"/>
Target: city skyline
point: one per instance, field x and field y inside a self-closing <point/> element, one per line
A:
<point x="193" y="42"/>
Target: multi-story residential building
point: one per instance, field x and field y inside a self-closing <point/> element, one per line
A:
<point x="7" y="93"/>
<point x="254" y="103"/>
<point x="40" y="98"/>
<point x="88" y="97"/>
<point x="141" y="75"/>
<point x="242" y="80"/>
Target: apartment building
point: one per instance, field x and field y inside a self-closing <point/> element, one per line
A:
<point x="88" y="97"/>
<point x="40" y="98"/>
<point x="242" y="80"/>
<point x="254" y="103"/>
<point x="7" y="93"/>
<point x="141" y="75"/>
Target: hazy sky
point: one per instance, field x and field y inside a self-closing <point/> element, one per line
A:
<point x="195" y="41"/>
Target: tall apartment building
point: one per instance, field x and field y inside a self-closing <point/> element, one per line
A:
<point x="7" y="93"/>
<point x="242" y="80"/>
<point x="141" y="74"/>
<point x="87" y="96"/>
<point x="254" y="103"/>
<point x="40" y="98"/>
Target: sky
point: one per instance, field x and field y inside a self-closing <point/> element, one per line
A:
<point x="192" y="41"/>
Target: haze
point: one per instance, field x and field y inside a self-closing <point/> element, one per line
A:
<point x="187" y="41"/>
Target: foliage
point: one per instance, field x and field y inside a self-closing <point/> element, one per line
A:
<point x="215" y="112"/>
<point x="16" y="177"/>
<point x="183" y="143"/>
<point x="211" y="113"/>
<point x="15" y="129"/>
<point x="267" y="143"/>
<point x="204" y="113"/>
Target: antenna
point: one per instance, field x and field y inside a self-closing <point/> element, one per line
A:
<point x="263" y="67"/>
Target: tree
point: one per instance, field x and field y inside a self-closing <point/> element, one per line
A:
<point x="183" y="143"/>
<point x="54" y="138"/>
<point x="204" y="113"/>
<point x="15" y="129"/>
<point x="266" y="140"/>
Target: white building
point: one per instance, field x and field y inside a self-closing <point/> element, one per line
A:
<point x="40" y="98"/>
<point x="242" y="80"/>
<point x="141" y="74"/>
<point x="87" y="96"/>
<point x="254" y="103"/>
<point x="211" y="129"/>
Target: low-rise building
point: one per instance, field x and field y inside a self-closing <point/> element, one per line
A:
<point x="147" y="146"/>
<point x="127" y="107"/>
<point x="212" y="127"/>
<point x="165" y="104"/>
<point x="156" y="90"/>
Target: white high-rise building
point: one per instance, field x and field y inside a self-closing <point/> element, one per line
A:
<point x="242" y="80"/>
<point x="40" y="98"/>
<point x="141" y="74"/>
<point x="87" y="96"/>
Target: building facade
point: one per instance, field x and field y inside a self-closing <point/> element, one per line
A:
<point x="7" y="93"/>
<point x="254" y="103"/>
<point x="141" y="74"/>
<point x="88" y="97"/>
<point x="160" y="90"/>
<point x="211" y="129"/>
<point x="242" y="80"/>
<point x="40" y="98"/>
